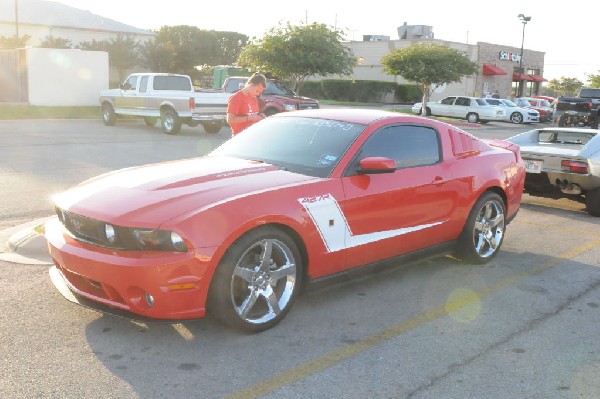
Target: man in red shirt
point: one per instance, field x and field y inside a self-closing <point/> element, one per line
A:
<point x="242" y="107"/>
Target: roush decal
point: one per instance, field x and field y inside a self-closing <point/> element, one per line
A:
<point x="333" y="227"/>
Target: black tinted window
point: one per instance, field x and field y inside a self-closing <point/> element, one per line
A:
<point x="172" y="83"/>
<point x="407" y="145"/>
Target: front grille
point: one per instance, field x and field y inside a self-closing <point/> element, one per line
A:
<point x="86" y="229"/>
<point x="308" y="105"/>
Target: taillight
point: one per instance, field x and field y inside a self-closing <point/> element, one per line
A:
<point x="192" y="103"/>
<point x="574" y="166"/>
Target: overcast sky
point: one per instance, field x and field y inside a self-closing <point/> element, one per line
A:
<point x="566" y="37"/>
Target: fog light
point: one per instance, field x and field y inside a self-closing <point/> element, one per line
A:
<point x="149" y="299"/>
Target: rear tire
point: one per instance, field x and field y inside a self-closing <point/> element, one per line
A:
<point x="483" y="233"/>
<point x="171" y="122"/>
<point x="150" y="120"/>
<point x="592" y="202"/>
<point x="108" y="115"/>
<point x="212" y="127"/>
<point x="472" y="117"/>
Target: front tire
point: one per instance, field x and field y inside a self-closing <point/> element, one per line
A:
<point x="108" y="115"/>
<point x="257" y="281"/>
<point x="483" y="233"/>
<point x="516" y="117"/>
<point x="171" y="122"/>
<point x="592" y="202"/>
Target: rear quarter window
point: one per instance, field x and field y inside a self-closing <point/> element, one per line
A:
<point x="171" y="83"/>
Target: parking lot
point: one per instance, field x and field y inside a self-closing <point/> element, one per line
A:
<point x="523" y="326"/>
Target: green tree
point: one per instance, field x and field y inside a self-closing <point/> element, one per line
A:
<point x="55" y="42"/>
<point x="230" y="47"/>
<point x="14" y="41"/>
<point x="122" y="51"/>
<point x="594" y="80"/>
<point x="565" y="86"/>
<point x="428" y="65"/>
<point x="294" y="53"/>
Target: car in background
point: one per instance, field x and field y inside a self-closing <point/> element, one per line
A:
<point x="562" y="162"/>
<point x="542" y="106"/>
<point x="296" y="197"/>
<point x="473" y="109"/>
<point x="514" y="113"/>
<point x="548" y="98"/>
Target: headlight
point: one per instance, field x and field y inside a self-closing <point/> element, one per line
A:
<point x="159" y="240"/>
<point x="289" y="107"/>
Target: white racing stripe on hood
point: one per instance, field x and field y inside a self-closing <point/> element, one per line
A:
<point x="333" y="227"/>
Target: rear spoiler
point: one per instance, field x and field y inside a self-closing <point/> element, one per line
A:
<point x="507" y="145"/>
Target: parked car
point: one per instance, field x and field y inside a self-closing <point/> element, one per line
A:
<point x="562" y="163"/>
<point x="548" y="98"/>
<point x="472" y="109"/>
<point x="514" y="113"/>
<point x="296" y="197"/>
<point x="542" y="106"/>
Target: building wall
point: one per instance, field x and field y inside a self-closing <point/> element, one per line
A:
<point x="369" y="67"/>
<point x="65" y="77"/>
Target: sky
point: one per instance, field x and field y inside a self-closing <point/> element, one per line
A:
<point x="567" y="40"/>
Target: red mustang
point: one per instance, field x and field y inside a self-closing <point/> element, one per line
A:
<point x="299" y="196"/>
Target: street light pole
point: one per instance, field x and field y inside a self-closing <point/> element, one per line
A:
<point x="524" y="20"/>
<point x="17" y="18"/>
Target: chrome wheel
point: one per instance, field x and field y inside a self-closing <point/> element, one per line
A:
<point x="488" y="229"/>
<point x="257" y="280"/>
<point x="263" y="281"/>
<point x="472" y="118"/>
<point x="516" y="117"/>
<point x="483" y="233"/>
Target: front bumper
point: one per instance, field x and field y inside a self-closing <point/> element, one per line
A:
<point x="155" y="285"/>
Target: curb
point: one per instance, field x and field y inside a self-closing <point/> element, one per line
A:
<point x="25" y="244"/>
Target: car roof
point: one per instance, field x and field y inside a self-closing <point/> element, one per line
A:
<point x="361" y="116"/>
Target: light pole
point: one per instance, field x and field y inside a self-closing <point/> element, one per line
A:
<point x="17" y="18"/>
<point x="523" y="19"/>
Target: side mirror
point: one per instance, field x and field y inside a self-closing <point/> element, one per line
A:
<point x="126" y="86"/>
<point x="376" y="165"/>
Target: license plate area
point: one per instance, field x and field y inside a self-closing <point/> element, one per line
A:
<point x="533" y="166"/>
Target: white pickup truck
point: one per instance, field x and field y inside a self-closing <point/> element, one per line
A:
<point x="165" y="96"/>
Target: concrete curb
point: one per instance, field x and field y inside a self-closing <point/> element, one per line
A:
<point x="25" y="244"/>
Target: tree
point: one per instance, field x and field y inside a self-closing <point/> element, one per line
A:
<point x="594" y="80"/>
<point x="565" y="86"/>
<point x="13" y="41"/>
<point x="122" y="52"/>
<point x="429" y="65"/>
<point x="294" y="53"/>
<point x="55" y="42"/>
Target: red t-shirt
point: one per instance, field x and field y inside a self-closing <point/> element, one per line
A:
<point x="240" y="104"/>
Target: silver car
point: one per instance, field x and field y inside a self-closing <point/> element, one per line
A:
<point x="562" y="163"/>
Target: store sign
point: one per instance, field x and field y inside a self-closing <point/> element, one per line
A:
<point x="509" y="56"/>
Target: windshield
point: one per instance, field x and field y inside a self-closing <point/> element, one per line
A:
<point x="308" y="146"/>
<point x="278" y="88"/>
<point x="509" y="103"/>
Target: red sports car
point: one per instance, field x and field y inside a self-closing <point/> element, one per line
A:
<point x="296" y="197"/>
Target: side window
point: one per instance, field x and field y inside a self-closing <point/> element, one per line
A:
<point x="131" y="83"/>
<point x="463" y="101"/>
<point x="448" y="100"/>
<point x="406" y="144"/>
<point x="143" y="84"/>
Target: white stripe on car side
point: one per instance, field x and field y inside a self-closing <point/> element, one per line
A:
<point x="333" y="227"/>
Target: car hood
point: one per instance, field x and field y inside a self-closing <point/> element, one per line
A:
<point x="149" y="195"/>
<point x="284" y="98"/>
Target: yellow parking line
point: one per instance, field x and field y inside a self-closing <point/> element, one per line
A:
<point x="552" y="227"/>
<point x="280" y="380"/>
